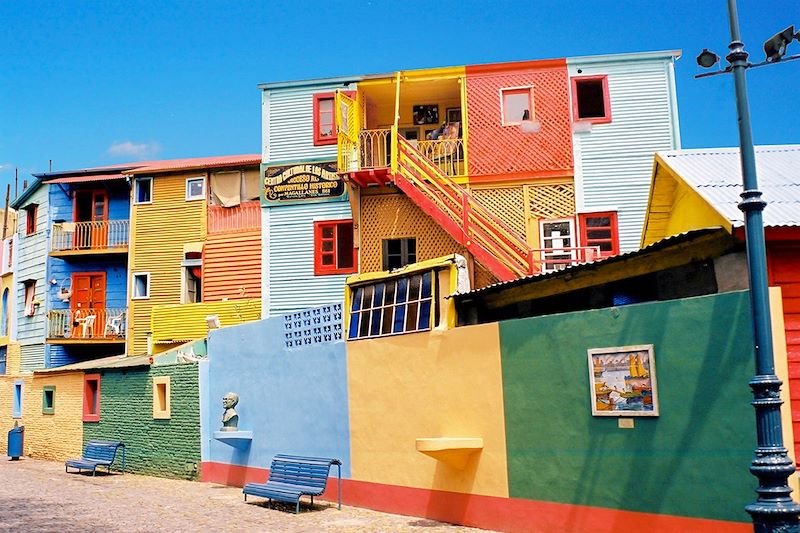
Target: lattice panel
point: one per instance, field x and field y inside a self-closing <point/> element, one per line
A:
<point x="313" y="326"/>
<point x="508" y="203"/>
<point x="495" y="149"/>
<point x="482" y="277"/>
<point x="552" y="201"/>
<point x="393" y="216"/>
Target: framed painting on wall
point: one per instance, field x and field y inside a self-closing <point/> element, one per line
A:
<point x="426" y="114"/>
<point x="622" y="381"/>
<point x="453" y="114"/>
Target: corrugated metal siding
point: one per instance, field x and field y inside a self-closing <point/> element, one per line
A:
<point x="289" y="263"/>
<point x="31" y="357"/>
<point x="289" y="124"/>
<point x="232" y="266"/>
<point x="614" y="162"/>
<point x="31" y="264"/>
<point x="158" y="233"/>
<point x="182" y="323"/>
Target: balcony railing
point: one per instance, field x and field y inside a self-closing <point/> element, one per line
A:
<point x="90" y="324"/>
<point x="100" y="236"/>
<point x="447" y="154"/>
<point x="374" y="149"/>
<point x="244" y="217"/>
<point x="553" y="259"/>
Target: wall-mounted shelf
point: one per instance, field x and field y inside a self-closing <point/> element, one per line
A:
<point x="454" y="451"/>
<point x="237" y="439"/>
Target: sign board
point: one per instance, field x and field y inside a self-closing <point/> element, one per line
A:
<point x="301" y="183"/>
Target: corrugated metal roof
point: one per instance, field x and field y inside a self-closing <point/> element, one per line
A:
<point x="82" y="179"/>
<point x="197" y="162"/>
<point x="663" y="243"/>
<point x="717" y="175"/>
<point x="116" y="361"/>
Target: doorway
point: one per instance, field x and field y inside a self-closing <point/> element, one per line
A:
<point x="88" y="304"/>
<point x="91" y="213"/>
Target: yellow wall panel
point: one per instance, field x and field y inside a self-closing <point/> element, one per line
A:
<point x="431" y="384"/>
<point x="158" y="232"/>
<point x="181" y="323"/>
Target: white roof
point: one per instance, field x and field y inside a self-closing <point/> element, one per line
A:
<point x="716" y="173"/>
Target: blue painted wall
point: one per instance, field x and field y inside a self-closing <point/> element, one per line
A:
<point x="294" y="400"/>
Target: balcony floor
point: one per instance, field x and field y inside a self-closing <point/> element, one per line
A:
<point x="86" y="340"/>
<point x="90" y="251"/>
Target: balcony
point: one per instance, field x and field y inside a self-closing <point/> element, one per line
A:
<point x="244" y="217"/>
<point x="87" y="326"/>
<point x="86" y="238"/>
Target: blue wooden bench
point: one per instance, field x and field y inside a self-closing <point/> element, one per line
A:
<point x="292" y="476"/>
<point x="97" y="453"/>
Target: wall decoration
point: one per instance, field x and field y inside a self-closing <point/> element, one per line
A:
<point x="453" y="114"/>
<point x="426" y="114"/>
<point x="309" y="182"/>
<point x="623" y="381"/>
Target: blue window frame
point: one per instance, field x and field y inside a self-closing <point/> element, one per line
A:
<point x="16" y="409"/>
<point x="401" y="305"/>
<point x="3" y="356"/>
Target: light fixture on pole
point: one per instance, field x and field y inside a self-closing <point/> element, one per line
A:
<point x="774" y="510"/>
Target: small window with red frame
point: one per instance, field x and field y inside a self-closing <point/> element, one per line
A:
<point x="333" y="248"/>
<point x="324" y="119"/>
<point x="91" y="398"/>
<point x="600" y="230"/>
<point x="30" y="219"/>
<point x="590" y="100"/>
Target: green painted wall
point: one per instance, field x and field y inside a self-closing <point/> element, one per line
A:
<point x="690" y="461"/>
<point x="167" y="448"/>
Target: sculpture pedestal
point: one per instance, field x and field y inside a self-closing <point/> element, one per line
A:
<point x="237" y="439"/>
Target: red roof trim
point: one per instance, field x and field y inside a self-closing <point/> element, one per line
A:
<point x="82" y="179"/>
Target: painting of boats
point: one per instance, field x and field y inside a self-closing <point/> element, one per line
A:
<point x="623" y="381"/>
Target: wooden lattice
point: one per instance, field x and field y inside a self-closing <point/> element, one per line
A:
<point x="495" y="149"/>
<point x="508" y="203"/>
<point x="552" y="201"/>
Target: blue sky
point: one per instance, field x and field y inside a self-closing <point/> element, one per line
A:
<point x="92" y="83"/>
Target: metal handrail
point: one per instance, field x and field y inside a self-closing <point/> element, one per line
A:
<point x="89" y="323"/>
<point x="94" y="235"/>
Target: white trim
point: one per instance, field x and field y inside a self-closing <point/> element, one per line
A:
<point x="265" y="258"/>
<point x="532" y="102"/>
<point x="189" y="197"/>
<point x="133" y="285"/>
<point x="136" y="182"/>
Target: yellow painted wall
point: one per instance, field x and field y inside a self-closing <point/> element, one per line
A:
<point x="58" y="436"/>
<point x="158" y="232"/>
<point x="13" y="358"/>
<point x="174" y="324"/>
<point x="430" y="384"/>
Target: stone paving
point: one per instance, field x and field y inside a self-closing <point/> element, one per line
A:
<point x="39" y="496"/>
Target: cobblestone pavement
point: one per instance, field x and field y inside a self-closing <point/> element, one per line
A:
<point x="39" y="496"/>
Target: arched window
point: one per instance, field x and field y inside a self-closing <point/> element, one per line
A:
<point x="4" y="318"/>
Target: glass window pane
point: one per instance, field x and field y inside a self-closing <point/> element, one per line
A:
<point x="353" y="332"/>
<point x="388" y="315"/>
<point x="426" y="284"/>
<point x="413" y="292"/>
<point x="368" y="291"/>
<point x="411" y="317"/>
<point x="327" y="259"/>
<point x="356" y="305"/>
<point x="425" y="315"/>
<point x="393" y="246"/>
<point x="377" y="301"/>
<point x="594" y="222"/>
<point x="598" y="234"/>
<point x="389" y="298"/>
<point x="399" y="318"/>
<point x="327" y="232"/>
<point x="402" y="290"/>
<point x="377" y="317"/>
<point x="516" y="106"/>
<point x="364" y="329"/>
<point x="344" y="239"/>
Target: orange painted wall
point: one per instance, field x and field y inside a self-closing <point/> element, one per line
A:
<point x="232" y="266"/>
<point x="428" y="385"/>
<point x="497" y="151"/>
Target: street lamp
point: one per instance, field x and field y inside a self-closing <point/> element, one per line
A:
<point x="774" y="510"/>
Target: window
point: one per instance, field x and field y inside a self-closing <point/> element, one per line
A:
<point x="558" y="243"/>
<point x="395" y="306"/>
<point x="5" y="315"/>
<point x="324" y="119"/>
<point x="49" y="400"/>
<point x="91" y="398"/>
<point x="590" y="101"/>
<point x="16" y="406"/>
<point x="600" y="229"/>
<point x="31" y="212"/>
<point x="161" y="400"/>
<point x="10" y="258"/>
<point x="141" y="285"/>
<point x="30" y="297"/>
<point x="143" y="190"/>
<point x="333" y="248"/>
<point x="3" y="358"/>
<point x="516" y="105"/>
<point x="192" y="280"/>
<point x="399" y="252"/>
<point x="196" y="189"/>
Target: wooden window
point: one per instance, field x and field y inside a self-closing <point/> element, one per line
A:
<point x="195" y="189"/>
<point x="49" y="400"/>
<point x="558" y="243"/>
<point x="140" y="285"/>
<point x="590" y="100"/>
<point x="600" y="229"/>
<point x="516" y="105"/>
<point x="333" y="247"/>
<point x="16" y="406"/>
<point x="30" y="297"/>
<point x="91" y="398"/>
<point x="399" y="252"/>
<point x="161" y="397"/>
<point x="324" y="119"/>
<point x="31" y="212"/>
<point x="143" y="190"/>
<point x="395" y="306"/>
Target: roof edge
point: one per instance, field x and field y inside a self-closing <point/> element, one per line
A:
<point x="343" y="80"/>
<point x="629" y="56"/>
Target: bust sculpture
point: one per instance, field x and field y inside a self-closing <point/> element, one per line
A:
<point x="230" y="420"/>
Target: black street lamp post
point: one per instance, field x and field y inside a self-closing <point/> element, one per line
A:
<point x="774" y="510"/>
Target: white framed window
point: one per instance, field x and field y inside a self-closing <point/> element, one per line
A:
<point x="558" y="244"/>
<point x="140" y="285"/>
<point x="516" y="105"/>
<point x="196" y="188"/>
<point x="143" y="191"/>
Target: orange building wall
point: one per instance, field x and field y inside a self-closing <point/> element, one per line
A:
<point x="497" y="151"/>
<point x="232" y="266"/>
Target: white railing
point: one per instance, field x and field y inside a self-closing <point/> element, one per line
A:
<point x="101" y="324"/>
<point x="553" y="259"/>
<point x="447" y="154"/>
<point x="101" y="235"/>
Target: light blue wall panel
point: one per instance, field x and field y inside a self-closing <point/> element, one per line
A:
<point x="288" y="258"/>
<point x="294" y="400"/>
<point x="614" y="162"/>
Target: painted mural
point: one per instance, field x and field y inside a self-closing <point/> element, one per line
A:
<point x="623" y="381"/>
